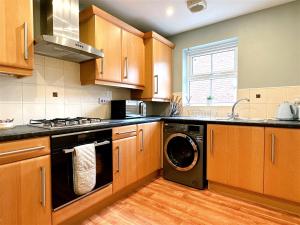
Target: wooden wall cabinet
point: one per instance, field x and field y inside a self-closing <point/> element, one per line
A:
<point x="123" y="62"/>
<point x="158" y="69"/>
<point x="16" y="37"/>
<point x="235" y="156"/>
<point x="124" y="163"/>
<point x="133" y="59"/>
<point x="25" y="195"/>
<point x="282" y="163"/>
<point x="149" y="148"/>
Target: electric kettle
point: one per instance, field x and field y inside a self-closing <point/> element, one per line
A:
<point x="287" y="111"/>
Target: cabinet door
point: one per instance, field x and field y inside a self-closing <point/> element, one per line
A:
<point x="25" y="192"/>
<point x="282" y="163"/>
<point x="16" y="36"/>
<point x="217" y="153"/>
<point x="162" y="69"/>
<point x="132" y="59"/>
<point x="124" y="162"/>
<point x="149" y="149"/>
<point x="246" y="157"/>
<point x="108" y="38"/>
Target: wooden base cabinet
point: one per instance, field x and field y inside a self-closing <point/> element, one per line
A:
<point x="124" y="162"/>
<point x="25" y="196"/>
<point x="282" y="163"/>
<point x="16" y="37"/>
<point x="235" y="156"/>
<point x="149" y="149"/>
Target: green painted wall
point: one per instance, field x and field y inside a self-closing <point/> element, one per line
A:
<point x="269" y="46"/>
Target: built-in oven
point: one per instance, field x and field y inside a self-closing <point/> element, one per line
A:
<point x="62" y="169"/>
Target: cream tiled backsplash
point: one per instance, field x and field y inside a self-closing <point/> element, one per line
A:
<point x="264" y="107"/>
<point x="32" y="97"/>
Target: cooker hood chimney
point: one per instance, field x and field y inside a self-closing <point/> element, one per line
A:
<point x="56" y="31"/>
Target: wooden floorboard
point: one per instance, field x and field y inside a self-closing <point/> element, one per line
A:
<point x="165" y="202"/>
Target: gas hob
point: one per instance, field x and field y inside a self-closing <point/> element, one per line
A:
<point x="60" y="123"/>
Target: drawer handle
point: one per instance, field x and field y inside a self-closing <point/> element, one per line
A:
<point x="125" y="132"/>
<point x="273" y="148"/>
<point x="22" y="150"/>
<point x="43" y="186"/>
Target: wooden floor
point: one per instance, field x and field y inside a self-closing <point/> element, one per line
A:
<point x="164" y="202"/>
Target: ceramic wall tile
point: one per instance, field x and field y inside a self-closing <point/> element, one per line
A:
<point x="243" y="110"/>
<point x="275" y="95"/>
<point x="34" y="93"/>
<point x="38" y="76"/>
<point x="293" y="93"/>
<point x="51" y="92"/>
<point x="243" y="93"/>
<point x="73" y="110"/>
<point x="258" y="111"/>
<point x="258" y="95"/>
<point x="54" y="63"/>
<point x="91" y="110"/>
<point x="12" y="111"/>
<point x="54" y="76"/>
<point x="72" y="95"/>
<point x="39" y="60"/>
<point x="10" y="92"/>
<point x="33" y="111"/>
<point x="55" y="111"/>
<point x="272" y="111"/>
<point x="71" y="74"/>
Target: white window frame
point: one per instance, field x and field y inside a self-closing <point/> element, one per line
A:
<point x="208" y="49"/>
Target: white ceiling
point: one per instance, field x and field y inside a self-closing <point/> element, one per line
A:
<point x="149" y="15"/>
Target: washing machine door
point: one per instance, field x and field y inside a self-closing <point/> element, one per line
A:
<point x="181" y="151"/>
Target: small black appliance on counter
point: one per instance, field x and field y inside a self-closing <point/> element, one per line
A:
<point x="125" y="109"/>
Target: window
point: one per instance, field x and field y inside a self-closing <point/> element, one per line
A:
<point x="211" y="74"/>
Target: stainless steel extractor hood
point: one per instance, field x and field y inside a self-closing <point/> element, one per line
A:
<point x="56" y="31"/>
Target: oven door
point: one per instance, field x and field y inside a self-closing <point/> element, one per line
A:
<point x="62" y="174"/>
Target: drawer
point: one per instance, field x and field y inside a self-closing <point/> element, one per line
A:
<point x="124" y="132"/>
<point x="13" y="151"/>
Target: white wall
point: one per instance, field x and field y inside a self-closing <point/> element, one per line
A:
<point x="31" y="97"/>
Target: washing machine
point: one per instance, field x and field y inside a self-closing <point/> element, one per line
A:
<point x="184" y="159"/>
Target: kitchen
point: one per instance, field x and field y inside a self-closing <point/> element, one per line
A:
<point x="110" y="115"/>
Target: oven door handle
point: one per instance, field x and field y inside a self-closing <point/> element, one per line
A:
<point x="97" y="144"/>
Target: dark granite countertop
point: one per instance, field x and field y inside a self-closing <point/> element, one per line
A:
<point x="244" y="122"/>
<point x="24" y="131"/>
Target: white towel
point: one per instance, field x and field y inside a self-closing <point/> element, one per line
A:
<point x="84" y="168"/>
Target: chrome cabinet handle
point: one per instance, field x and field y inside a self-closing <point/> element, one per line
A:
<point x="26" y="41"/>
<point x="273" y="148"/>
<point x="22" y="150"/>
<point x="102" y="65"/>
<point x="156" y="84"/>
<point x="142" y="140"/>
<point x="119" y="163"/>
<point x="43" y="186"/>
<point x="126" y="132"/>
<point x="69" y="150"/>
<point x="126" y="68"/>
<point x="211" y="140"/>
